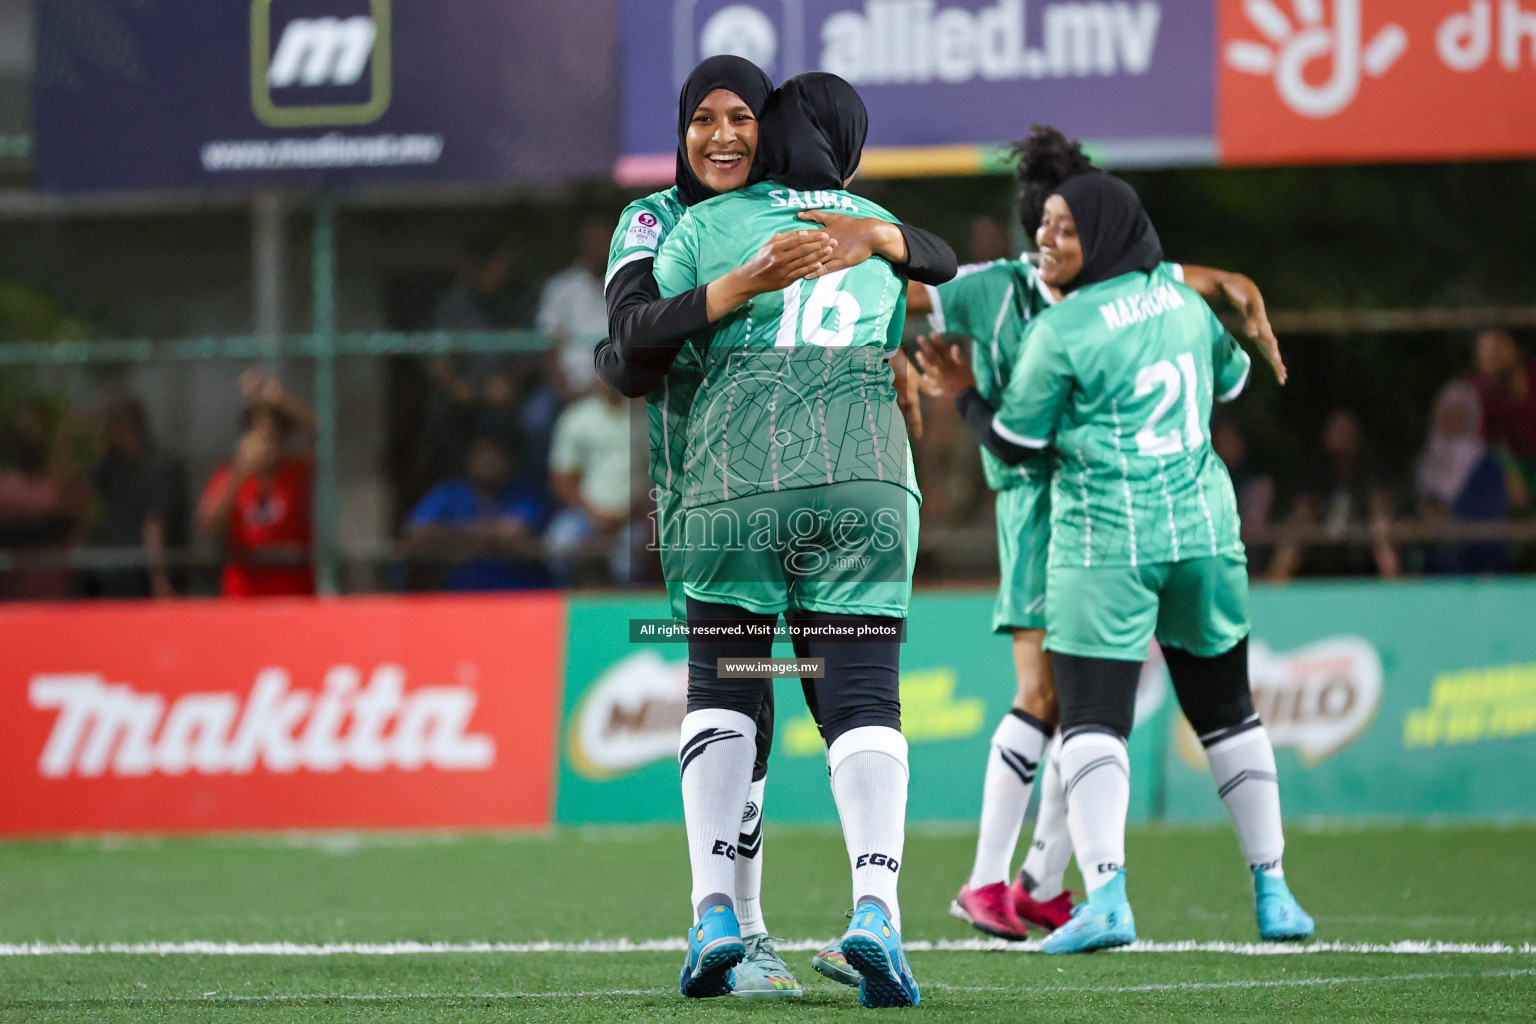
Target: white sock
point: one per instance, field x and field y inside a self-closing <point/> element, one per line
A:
<point x="1244" y="769"/>
<point x="1012" y="761"/>
<point x="749" y="864"/>
<point x="716" y="755"/>
<point x="1045" y="866"/>
<point x="1097" y="771"/>
<point x="869" y="783"/>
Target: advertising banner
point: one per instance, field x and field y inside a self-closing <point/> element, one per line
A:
<point x="1311" y="81"/>
<point x="943" y="78"/>
<point x="196" y="716"/>
<point x="1401" y="701"/>
<point x="624" y="704"/>
<point x="295" y="93"/>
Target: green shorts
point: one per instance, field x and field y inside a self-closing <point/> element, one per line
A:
<point x="1023" y="543"/>
<point x="845" y="548"/>
<point x="1199" y="606"/>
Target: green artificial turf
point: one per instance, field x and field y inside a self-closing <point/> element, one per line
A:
<point x="1378" y="885"/>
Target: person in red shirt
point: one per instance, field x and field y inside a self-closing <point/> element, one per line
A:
<point x="1506" y="384"/>
<point x="259" y="503"/>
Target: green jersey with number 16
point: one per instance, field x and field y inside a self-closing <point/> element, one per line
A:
<point x="796" y="390"/>
<point x="1122" y="374"/>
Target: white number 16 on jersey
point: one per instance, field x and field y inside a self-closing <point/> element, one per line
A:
<point x="1172" y="381"/>
<point x="807" y="321"/>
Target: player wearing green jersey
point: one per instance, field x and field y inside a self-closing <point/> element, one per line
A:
<point x="1116" y="385"/>
<point x="798" y="499"/>
<point x="992" y="304"/>
<point x="646" y="355"/>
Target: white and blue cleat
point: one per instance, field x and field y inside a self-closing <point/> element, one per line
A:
<point x="1102" y="921"/>
<point x="872" y="946"/>
<point x="1281" y="918"/>
<point x="762" y="973"/>
<point x="714" y="947"/>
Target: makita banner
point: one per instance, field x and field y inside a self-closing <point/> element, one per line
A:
<point x="191" y="716"/>
<point x="178" y="93"/>
<point x="1135" y="76"/>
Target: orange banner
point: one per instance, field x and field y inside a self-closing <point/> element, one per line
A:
<point x="1307" y="81"/>
<point x="302" y="713"/>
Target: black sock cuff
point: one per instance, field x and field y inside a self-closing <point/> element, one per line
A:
<point x="1033" y="722"/>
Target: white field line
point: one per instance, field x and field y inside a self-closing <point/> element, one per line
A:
<point x="678" y="945"/>
<point x="1036" y="991"/>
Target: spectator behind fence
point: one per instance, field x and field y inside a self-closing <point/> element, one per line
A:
<point x="43" y="503"/>
<point x="485" y="524"/>
<point x="1350" y="493"/>
<point x="1458" y="478"/>
<point x="1255" y="491"/>
<point x="142" y="491"/>
<point x="572" y="312"/>
<point x="988" y="240"/>
<point x="259" y="504"/>
<point x="1506" y="383"/>
<point x="589" y="473"/>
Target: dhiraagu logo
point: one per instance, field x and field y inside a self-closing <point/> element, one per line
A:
<point x="318" y="63"/>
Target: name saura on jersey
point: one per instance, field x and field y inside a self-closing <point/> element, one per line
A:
<point x="788" y="197"/>
<point x="1135" y="308"/>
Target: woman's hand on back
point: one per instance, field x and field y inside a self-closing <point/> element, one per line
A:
<point x="857" y="239"/>
<point x="784" y="259"/>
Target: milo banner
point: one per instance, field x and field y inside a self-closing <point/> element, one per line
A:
<point x="624" y="703"/>
<point x="1398" y="701"/>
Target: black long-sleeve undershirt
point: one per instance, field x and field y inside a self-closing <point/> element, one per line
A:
<point x="646" y="332"/>
<point x="977" y="413"/>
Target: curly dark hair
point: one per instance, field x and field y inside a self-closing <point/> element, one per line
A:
<point x="1046" y="158"/>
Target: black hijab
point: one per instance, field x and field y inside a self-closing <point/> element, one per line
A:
<point x="741" y="77"/>
<point x="812" y="133"/>
<point x="1117" y="235"/>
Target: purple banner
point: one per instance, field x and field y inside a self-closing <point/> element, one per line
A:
<point x="1133" y="74"/>
<point x="154" y="94"/>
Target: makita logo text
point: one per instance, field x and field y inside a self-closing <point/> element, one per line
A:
<point x="106" y="728"/>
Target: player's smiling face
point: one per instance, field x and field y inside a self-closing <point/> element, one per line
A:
<point x="1061" y="250"/>
<point x="722" y="140"/>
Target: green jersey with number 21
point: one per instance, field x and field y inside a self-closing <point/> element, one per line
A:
<point x="796" y="390"/>
<point x="1120" y="377"/>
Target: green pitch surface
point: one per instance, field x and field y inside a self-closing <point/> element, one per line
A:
<point x="184" y="923"/>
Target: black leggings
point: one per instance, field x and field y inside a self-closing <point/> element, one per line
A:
<point x="861" y="685"/>
<point x="1100" y="693"/>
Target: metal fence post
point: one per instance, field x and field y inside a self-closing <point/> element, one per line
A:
<point x="327" y="505"/>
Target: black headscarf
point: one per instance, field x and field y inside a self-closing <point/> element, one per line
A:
<point x="812" y="133"/>
<point x="741" y="77"/>
<point x="1117" y="235"/>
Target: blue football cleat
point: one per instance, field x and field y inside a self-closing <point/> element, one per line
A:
<point x="1102" y="921"/>
<point x="872" y="947"/>
<point x="714" y="947"/>
<point x="1281" y="918"/>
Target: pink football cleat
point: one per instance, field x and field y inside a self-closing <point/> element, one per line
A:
<point x="989" y="909"/>
<point x="1047" y="915"/>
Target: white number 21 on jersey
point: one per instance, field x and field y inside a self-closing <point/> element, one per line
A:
<point x="1173" y="381"/>
<point x="807" y="320"/>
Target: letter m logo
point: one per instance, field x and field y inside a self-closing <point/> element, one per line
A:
<point x="319" y="56"/>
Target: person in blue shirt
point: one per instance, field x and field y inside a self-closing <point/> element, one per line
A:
<point x="485" y="524"/>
